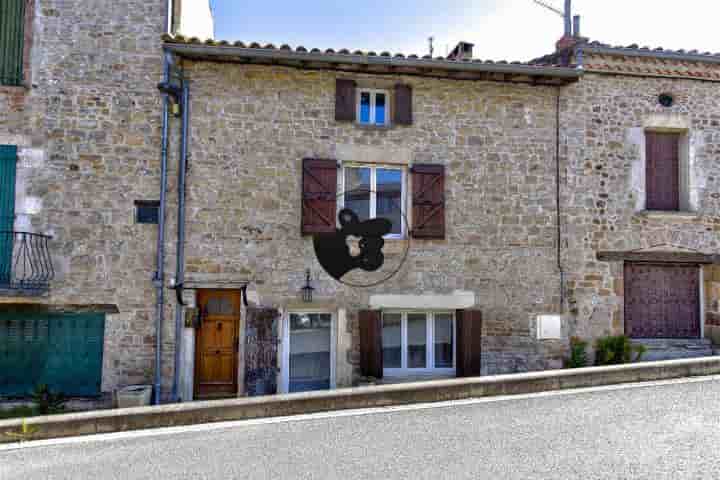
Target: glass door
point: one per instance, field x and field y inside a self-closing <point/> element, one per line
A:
<point x="309" y="343"/>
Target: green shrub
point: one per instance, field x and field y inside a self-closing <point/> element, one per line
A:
<point x="578" y="354"/>
<point x="617" y="350"/>
<point x="48" y="402"/>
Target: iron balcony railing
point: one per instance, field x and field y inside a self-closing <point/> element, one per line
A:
<point x="25" y="262"/>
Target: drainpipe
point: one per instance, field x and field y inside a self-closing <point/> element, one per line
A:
<point x="558" y="211"/>
<point x="159" y="279"/>
<point x="180" y="267"/>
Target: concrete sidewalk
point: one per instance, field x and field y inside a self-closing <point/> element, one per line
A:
<point x="120" y="420"/>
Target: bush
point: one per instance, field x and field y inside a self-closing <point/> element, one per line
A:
<point x="578" y="354"/>
<point x="48" y="402"/>
<point x="617" y="350"/>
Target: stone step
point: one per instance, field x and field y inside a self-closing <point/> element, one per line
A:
<point x="674" y="348"/>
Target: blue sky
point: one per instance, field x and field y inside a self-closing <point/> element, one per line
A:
<point x="501" y="29"/>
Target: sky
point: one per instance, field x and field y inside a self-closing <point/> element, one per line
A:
<point x="500" y="29"/>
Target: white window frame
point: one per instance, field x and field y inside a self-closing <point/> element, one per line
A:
<point x="285" y="364"/>
<point x="373" y="95"/>
<point x="429" y="370"/>
<point x="373" y="192"/>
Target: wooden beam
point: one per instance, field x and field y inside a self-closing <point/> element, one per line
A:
<point x="658" y="257"/>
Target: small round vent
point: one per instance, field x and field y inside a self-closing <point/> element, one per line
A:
<point x="666" y="100"/>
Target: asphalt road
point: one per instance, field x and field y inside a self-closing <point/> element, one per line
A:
<point x="669" y="431"/>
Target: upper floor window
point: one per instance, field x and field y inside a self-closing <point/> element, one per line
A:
<point x="663" y="173"/>
<point x="373" y="191"/>
<point x="372" y="108"/>
<point x="12" y="32"/>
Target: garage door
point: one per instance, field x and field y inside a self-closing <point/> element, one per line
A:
<point x="63" y="351"/>
<point x="662" y="301"/>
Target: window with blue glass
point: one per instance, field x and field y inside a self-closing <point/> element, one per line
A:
<point x="373" y="107"/>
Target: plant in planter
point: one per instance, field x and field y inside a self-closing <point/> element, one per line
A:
<point x="578" y="354"/>
<point x="48" y="402"/>
<point x="617" y="350"/>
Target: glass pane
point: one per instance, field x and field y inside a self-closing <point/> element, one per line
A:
<point x="389" y="197"/>
<point x="365" y="107"/>
<point x="380" y="109"/>
<point x="417" y="340"/>
<point x="391" y="340"/>
<point x="310" y="352"/>
<point x="357" y="191"/>
<point x="443" y="340"/>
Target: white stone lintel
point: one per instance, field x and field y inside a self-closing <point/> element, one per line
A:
<point x="457" y="300"/>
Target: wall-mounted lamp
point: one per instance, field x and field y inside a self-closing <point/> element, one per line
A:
<point x="307" y="290"/>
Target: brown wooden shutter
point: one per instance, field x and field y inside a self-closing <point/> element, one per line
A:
<point x="428" y="184"/>
<point x="663" y="171"/>
<point x="345" y="100"/>
<point x="403" y="111"/>
<point x="469" y="343"/>
<point x="371" y="355"/>
<point x="319" y="196"/>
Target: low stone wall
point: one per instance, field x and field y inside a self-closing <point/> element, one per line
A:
<point x="387" y="395"/>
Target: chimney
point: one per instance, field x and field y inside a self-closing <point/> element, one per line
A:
<point x="572" y="29"/>
<point x="463" y="51"/>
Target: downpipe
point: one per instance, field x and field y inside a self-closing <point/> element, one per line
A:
<point x="159" y="279"/>
<point x="180" y="266"/>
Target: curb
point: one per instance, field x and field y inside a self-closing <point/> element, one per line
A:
<point x="122" y="420"/>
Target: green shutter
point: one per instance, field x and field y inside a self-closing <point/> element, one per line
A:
<point x="63" y="351"/>
<point x="12" y="33"/>
<point x="8" y="165"/>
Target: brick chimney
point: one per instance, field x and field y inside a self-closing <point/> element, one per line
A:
<point x="463" y="51"/>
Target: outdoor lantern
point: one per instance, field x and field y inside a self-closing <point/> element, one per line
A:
<point x="307" y="290"/>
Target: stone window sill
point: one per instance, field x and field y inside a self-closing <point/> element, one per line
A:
<point x="14" y="88"/>
<point x="380" y="128"/>
<point x="669" y="215"/>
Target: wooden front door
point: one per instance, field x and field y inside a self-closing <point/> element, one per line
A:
<point x="662" y="301"/>
<point x="216" y="344"/>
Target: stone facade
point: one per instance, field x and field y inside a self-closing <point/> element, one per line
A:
<point x="603" y="120"/>
<point x="88" y="129"/>
<point x="87" y="125"/>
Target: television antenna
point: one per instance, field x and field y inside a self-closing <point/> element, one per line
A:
<point x="550" y="7"/>
<point x="431" y="41"/>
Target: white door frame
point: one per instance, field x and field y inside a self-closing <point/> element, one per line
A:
<point x="285" y="362"/>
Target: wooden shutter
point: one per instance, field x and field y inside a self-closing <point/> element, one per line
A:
<point x="345" y="100"/>
<point x="469" y="343"/>
<point x="663" y="171"/>
<point x="428" y="184"/>
<point x="403" y="111"/>
<point x="8" y="167"/>
<point x="12" y="26"/>
<point x="319" y="196"/>
<point x="371" y="356"/>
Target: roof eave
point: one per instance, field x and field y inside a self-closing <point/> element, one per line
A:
<point x="225" y="52"/>
<point x="631" y="52"/>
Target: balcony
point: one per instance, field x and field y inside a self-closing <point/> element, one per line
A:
<point x="26" y="267"/>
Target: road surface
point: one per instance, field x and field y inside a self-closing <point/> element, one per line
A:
<point x="670" y="430"/>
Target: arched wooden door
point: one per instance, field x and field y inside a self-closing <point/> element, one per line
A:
<point x="216" y="344"/>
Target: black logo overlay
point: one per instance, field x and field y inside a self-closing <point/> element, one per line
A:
<point x="354" y="255"/>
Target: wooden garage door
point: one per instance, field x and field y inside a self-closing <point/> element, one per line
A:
<point x="662" y="301"/>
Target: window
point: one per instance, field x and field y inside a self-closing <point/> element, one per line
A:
<point x="12" y="26"/>
<point x="418" y="343"/>
<point x="308" y="352"/>
<point x="147" y="212"/>
<point x="376" y="192"/>
<point x="372" y="107"/>
<point x="663" y="171"/>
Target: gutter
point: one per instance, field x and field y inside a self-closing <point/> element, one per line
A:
<point x="558" y="204"/>
<point x="223" y="52"/>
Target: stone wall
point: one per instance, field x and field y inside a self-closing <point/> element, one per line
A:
<point x="603" y="120"/>
<point x="87" y="125"/>
<point x="250" y="129"/>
